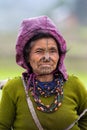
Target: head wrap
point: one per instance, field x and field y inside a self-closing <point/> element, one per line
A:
<point x="31" y="26"/>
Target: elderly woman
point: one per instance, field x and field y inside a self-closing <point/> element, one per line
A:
<point x="45" y="97"/>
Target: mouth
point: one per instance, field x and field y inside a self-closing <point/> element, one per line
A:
<point x="45" y="65"/>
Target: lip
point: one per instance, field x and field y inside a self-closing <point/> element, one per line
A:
<point x="47" y="65"/>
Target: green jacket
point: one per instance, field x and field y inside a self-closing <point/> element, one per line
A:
<point x="14" y="109"/>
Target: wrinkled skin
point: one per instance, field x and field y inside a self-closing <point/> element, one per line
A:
<point x="44" y="57"/>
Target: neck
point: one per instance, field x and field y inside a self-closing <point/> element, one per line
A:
<point x="45" y="78"/>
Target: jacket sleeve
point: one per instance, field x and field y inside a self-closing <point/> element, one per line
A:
<point x="7" y="111"/>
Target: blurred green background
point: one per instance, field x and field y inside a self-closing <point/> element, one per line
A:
<point x="70" y="18"/>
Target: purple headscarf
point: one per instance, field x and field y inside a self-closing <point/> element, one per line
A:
<point x="28" y="29"/>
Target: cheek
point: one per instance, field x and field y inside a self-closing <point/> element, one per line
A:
<point x="56" y="58"/>
<point x="33" y="60"/>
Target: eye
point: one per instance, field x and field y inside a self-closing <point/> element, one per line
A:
<point x="53" y="50"/>
<point x="39" y="51"/>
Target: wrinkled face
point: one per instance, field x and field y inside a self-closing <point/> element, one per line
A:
<point x="43" y="56"/>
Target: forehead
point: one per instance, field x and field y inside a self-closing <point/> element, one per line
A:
<point x="44" y="42"/>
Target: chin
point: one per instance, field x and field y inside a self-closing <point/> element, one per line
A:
<point x="46" y="71"/>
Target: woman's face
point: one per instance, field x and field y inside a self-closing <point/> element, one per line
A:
<point x="43" y="56"/>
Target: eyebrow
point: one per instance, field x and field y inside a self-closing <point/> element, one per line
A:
<point x="48" y="48"/>
<point x="53" y="48"/>
<point x="42" y="49"/>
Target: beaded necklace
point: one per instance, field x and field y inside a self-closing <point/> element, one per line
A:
<point x="56" y="88"/>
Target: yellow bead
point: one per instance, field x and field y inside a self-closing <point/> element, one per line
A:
<point x="56" y="109"/>
<point x="59" y="104"/>
<point x="55" y="101"/>
<point x="47" y="106"/>
<point x="38" y="108"/>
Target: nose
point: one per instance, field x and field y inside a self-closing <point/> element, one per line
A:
<point x="47" y="56"/>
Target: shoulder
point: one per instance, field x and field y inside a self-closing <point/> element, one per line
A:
<point x="75" y="82"/>
<point x="3" y="82"/>
<point x="13" y="85"/>
<point x="72" y="78"/>
<point x="75" y="87"/>
<point x="12" y="82"/>
<point x="13" y="88"/>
